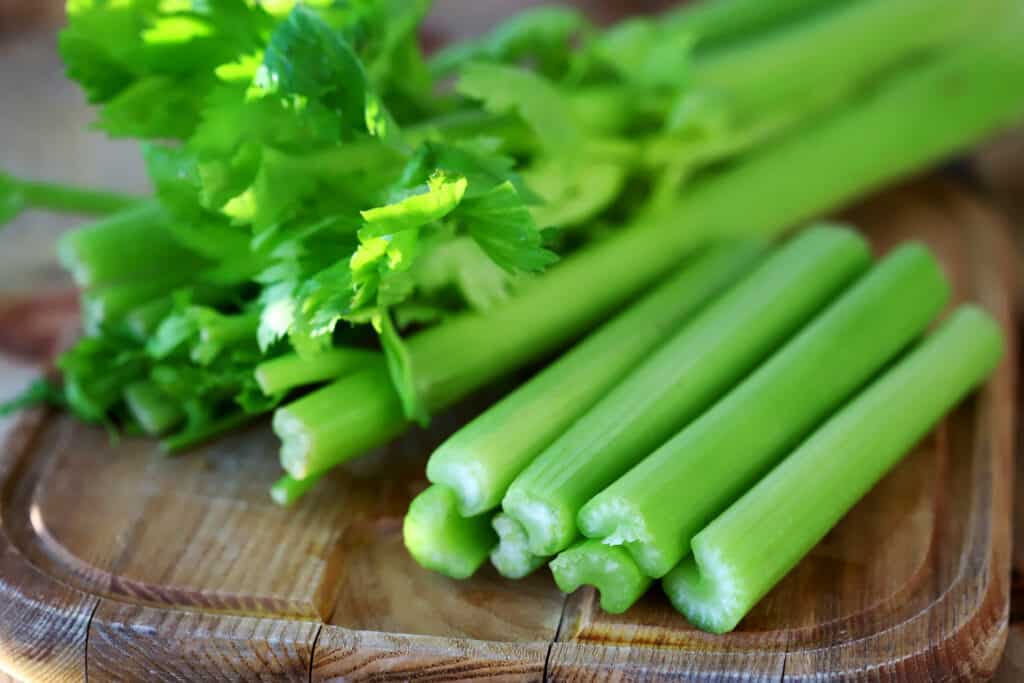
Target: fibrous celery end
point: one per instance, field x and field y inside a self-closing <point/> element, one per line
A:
<point x="295" y="443"/>
<point x="540" y="520"/>
<point x="614" y="521"/>
<point x="466" y="478"/>
<point x="512" y="557"/>
<point x="705" y="590"/>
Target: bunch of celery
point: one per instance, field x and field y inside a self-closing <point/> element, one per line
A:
<point x="642" y="466"/>
<point x="332" y="207"/>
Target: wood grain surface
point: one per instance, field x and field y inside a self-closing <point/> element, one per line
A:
<point x="126" y="565"/>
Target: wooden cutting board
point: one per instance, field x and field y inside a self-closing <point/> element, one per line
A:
<point x="118" y="562"/>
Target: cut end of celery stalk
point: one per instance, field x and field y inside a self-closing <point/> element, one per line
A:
<point x="512" y="557"/>
<point x="612" y="519"/>
<point x="441" y="540"/>
<point x="615" y="521"/>
<point x="296" y="443"/>
<point x="287" y="490"/>
<point x="549" y="527"/>
<point x="67" y="256"/>
<point x="466" y="477"/>
<point x="609" y="569"/>
<point x="704" y="589"/>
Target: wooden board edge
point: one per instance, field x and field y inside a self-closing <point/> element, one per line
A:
<point x="344" y="654"/>
<point x="131" y="642"/>
<point x="44" y="624"/>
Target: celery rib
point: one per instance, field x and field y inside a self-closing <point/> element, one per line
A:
<point x="287" y="490"/>
<point x="811" y="58"/>
<point x="743" y="553"/>
<point x="154" y="410"/>
<point x="441" y="540"/>
<point x="685" y="375"/>
<point x="71" y="199"/>
<point x="609" y="569"/>
<point x="189" y="438"/>
<point x="480" y="460"/>
<point x="130" y="245"/>
<point x="712" y="461"/>
<point x="351" y="414"/>
<point x="284" y="373"/>
<point x="512" y="557"/>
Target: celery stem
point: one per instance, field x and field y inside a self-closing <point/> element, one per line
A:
<point x="743" y="553"/>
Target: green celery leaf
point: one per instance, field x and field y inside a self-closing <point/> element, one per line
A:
<point x="306" y="58"/>
<point x="503" y="89"/>
<point x="542" y="34"/>
<point x="501" y="224"/>
<point x="646" y="52"/>
<point x="174" y="333"/>
<point x="480" y="160"/>
<point x="460" y="263"/>
<point x="277" y="312"/>
<point x="321" y="302"/>
<point x="421" y="205"/>
<point x="573" y="198"/>
<point x="153" y="107"/>
<point x="151" y="62"/>
<point x="175" y="174"/>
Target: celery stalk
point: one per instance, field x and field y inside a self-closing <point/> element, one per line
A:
<point x="811" y="58"/>
<point x="611" y="570"/>
<point x="727" y="449"/>
<point x="181" y="441"/>
<point x="72" y="199"/>
<point x="888" y="133"/>
<point x="512" y="557"/>
<point x="155" y="411"/>
<point x="684" y="376"/>
<point x="287" y="490"/>
<point x="743" y="553"/>
<point x="715" y="22"/>
<point x="480" y="460"/>
<point x="441" y="540"/>
<point x="350" y="414"/>
<point x="131" y="245"/>
<point x="281" y="374"/>
<point x="103" y="306"/>
<point x="218" y="332"/>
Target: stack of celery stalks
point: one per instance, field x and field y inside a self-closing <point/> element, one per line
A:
<point x="708" y="436"/>
<point x="353" y="236"/>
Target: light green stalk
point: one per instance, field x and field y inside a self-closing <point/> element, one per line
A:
<point x="611" y="570"/>
<point x="72" y="199"/>
<point x="679" y="380"/>
<point x="743" y="553"/>
<point x="441" y="540"/>
<point x="284" y="373"/>
<point x="726" y="450"/>
<point x="837" y="50"/>
<point x="287" y="490"/>
<point x="132" y="245"/>
<point x="154" y="410"/>
<point x="480" y="460"/>
<point x="512" y="557"/>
